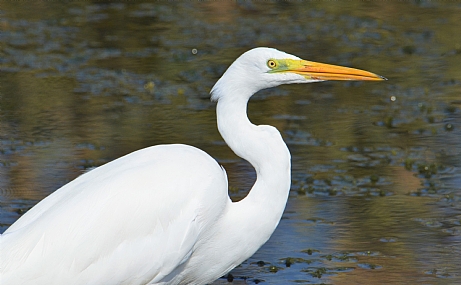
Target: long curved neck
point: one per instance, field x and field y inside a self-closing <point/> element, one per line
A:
<point x="256" y="216"/>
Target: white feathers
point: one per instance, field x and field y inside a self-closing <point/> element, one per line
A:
<point x="160" y="215"/>
<point x="138" y="215"/>
<point x="249" y="73"/>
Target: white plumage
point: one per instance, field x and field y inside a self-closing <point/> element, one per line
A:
<point x="162" y="215"/>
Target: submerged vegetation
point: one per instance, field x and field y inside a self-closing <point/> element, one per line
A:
<point x="376" y="190"/>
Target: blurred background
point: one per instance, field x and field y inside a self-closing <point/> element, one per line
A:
<point x="376" y="190"/>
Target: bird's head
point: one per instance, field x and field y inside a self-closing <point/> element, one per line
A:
<point x="262" y="68"/>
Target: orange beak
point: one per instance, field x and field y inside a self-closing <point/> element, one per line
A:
<point x="322" y="71"/>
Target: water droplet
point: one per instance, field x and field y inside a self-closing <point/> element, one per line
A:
<point x="449" y="127"/>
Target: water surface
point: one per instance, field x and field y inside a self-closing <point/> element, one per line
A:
<point x="376" y="191"/>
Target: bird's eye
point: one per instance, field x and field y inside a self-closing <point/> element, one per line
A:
<point x="271" y="63"/>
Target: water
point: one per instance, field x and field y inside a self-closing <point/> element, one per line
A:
<point x="376" y="192"/>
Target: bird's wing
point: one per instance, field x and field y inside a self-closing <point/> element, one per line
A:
<point x="134" y="219"/>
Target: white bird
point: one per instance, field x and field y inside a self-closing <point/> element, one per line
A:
<point x="162" y="215"/>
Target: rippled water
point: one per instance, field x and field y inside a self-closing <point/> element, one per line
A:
<point x="376" y="192"/>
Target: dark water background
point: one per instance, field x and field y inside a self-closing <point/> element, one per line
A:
<point x="376" y="192"/>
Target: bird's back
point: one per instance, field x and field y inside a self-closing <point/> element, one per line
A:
<point x="131" y="221"/>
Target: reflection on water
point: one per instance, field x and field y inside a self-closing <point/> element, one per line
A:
<point x="376" y="193"/>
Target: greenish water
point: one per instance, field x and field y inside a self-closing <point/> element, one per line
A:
<point x="376" y="192"/>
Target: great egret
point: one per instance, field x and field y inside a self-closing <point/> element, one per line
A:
<point x="162" y="215"/>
